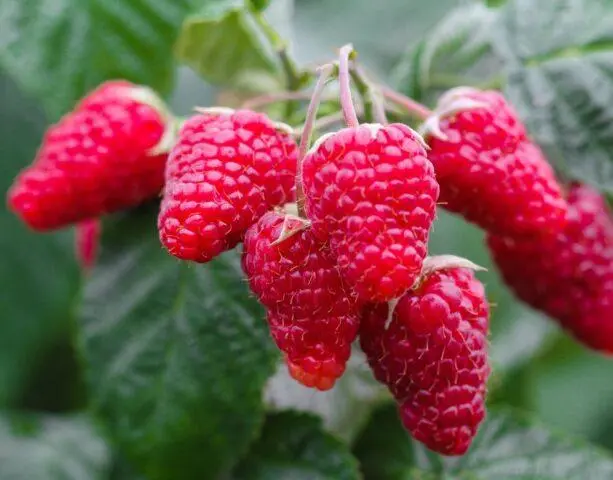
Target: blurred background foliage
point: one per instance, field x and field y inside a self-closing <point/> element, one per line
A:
<point x="53" y="51"/>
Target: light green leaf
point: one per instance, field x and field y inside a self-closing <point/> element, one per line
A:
<point x="46" y="447"/>
<point x="559" y="57"/>
<point x="293" y="446"/>
<point x="457" y="51"/>
<point x="508" y="447"/>
<point x="176" y="354"/>
<point x="224" y="44"/>
<point x="59" y="49"/>
<point x="343" y="409"/>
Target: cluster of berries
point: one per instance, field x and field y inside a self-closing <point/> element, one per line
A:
<point x="335" y="239"/>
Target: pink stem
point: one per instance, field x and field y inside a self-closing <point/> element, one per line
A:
<point x="416" y="108"/>
<point x="351" y="118"/>
<point x="323" y="73"/>
<point x="267" y="99"/>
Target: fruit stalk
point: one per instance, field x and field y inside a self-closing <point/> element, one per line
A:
<point x="351" y="118"/>
<point x="323" y="73"/>
<point x="374" y="106"/>
<point x="415" y="108"/>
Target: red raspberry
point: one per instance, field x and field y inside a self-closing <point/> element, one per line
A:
<point x="568" y="275"/>
<point x="433" y="357"/>
<point x="97" y="159"/>
<point x="488" y="170"/>
<point x="87" y="238"/>
<point x="226" y="170"/>
<point x="311" y="317"/>
<point x="371" y="193"/>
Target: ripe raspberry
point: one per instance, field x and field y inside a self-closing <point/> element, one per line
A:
<point x="568" y="275"/>
<point x="226" y="170"/>
<point x="97" y="159"/>
<point x="433" y="357"/>
<point x="488" y="170"/>
<point x="87" y="238"/>
<point x="311" y="318"/>
<point x="371" y="193"/>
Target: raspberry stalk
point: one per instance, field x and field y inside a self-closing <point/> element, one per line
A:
<point x="323" y="74"/>
<point x="420" y="111"/>
<point x="374" y="105"/>
<point x="346" y="53"/>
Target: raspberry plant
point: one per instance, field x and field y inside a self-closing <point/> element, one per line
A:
<point x="254" y="274"/>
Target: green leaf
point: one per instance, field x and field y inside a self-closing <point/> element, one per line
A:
<point x="294" y="446"/>
<point x="38" y="273"/>
<point x="224" y="44"/>
<point x="46" y="447"/>
<point x="458" y="51"/>
<point x="559" y="57"/>
<point x="176" y="354"/>
<point x="508" y="447"/>
<point x="57" y="50"/>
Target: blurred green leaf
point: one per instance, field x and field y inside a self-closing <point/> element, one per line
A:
<point x="458" y="51"/>
<point x="559" y="57"/>
<point x="385" y="450"/>
<point x="38" y="273"/>
<point x="225" y="45"/>
<point x="176" y="354"/>
<point x="507" y="447"/>
<point x="380" y="31"/>
<point x="57" y="50"/>
<point x="294" y="446"/>
<point x="574" y="389"/>
<point x="259" y="4"/>
<point x="44" y="447"/>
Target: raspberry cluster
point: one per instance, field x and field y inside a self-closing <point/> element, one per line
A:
<point x="348" y="259"/>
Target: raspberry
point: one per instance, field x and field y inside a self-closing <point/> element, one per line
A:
<point x="371" y="193"/>
<point x="433" y="357"/>
<point x="311" y="317"/>
<point x="97" y="159"/>
<point x="87" y="238"/>
<point x="487" y="168"/>
<point x="226" y="170"/>
<point x="568" y="275"/>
